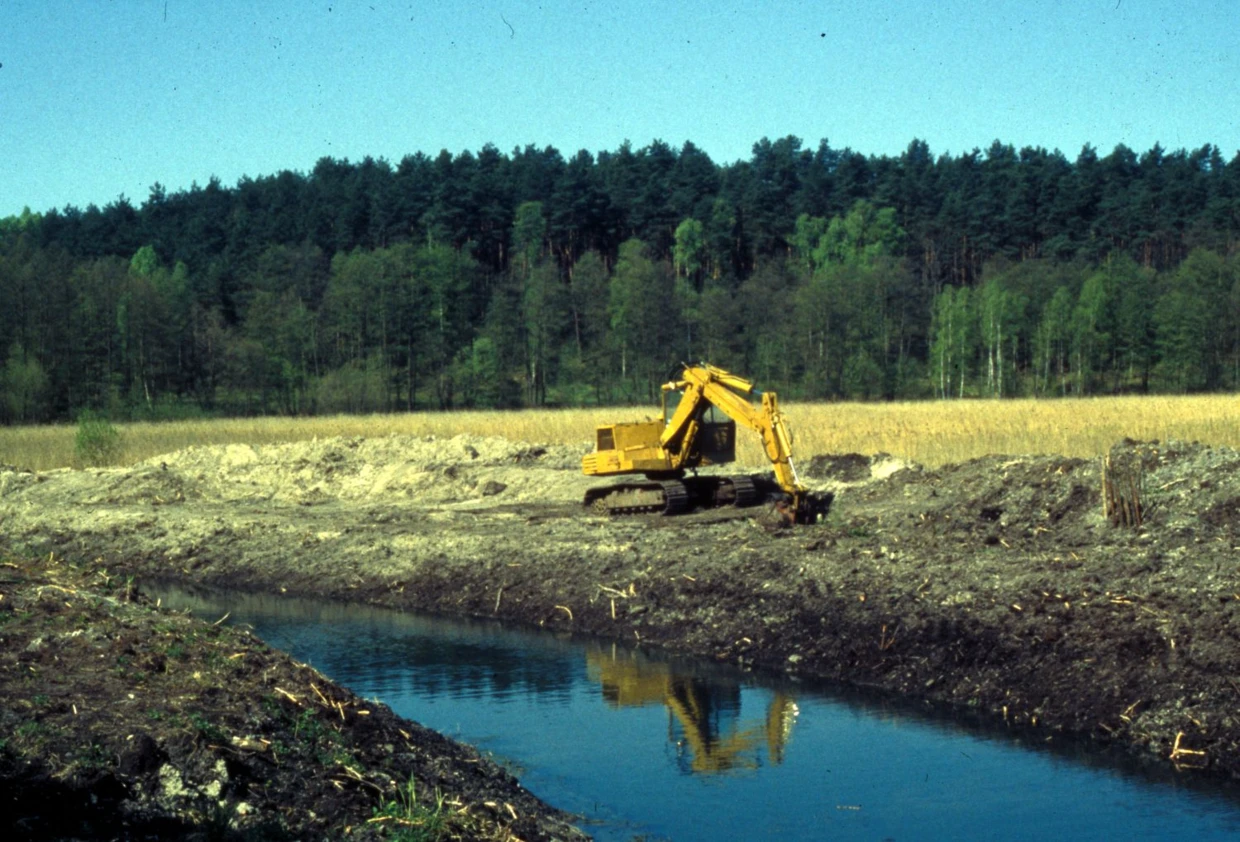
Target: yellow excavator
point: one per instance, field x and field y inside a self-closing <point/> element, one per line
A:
<point x="701" y="408"/>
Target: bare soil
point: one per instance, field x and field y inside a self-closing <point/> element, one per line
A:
<point x="121" y="721"/>
<point x="997" y="584"/>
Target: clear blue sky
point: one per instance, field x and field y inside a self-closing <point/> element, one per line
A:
<point x="100" y="98"/>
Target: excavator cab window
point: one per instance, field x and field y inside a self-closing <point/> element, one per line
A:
<point x="671" y="400"/>
<point x="710" y="414"/>
<point x="717" y="441"/>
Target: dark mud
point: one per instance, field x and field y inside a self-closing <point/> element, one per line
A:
<point x="120" y="721"/>
<point x="997" y="585"/>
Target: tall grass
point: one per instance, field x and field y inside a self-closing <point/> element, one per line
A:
<point x="932" y="433"/>
<point x="938" y="432"/>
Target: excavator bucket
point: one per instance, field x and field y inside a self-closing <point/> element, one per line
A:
<point x="814" y="507"/>
<point x="805" y="509"/>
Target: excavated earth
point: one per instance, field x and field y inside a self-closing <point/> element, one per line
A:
<point x="998" y="585"/>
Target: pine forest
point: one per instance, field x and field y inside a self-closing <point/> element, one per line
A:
<point x="529" y="279"/>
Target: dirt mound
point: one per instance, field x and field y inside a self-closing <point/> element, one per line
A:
<point x="430" y="469"/>
<point x="463" y="470"/>
<point x="13" y="480"/>
<point x="846" y="467"/>
<point x="123" y="722"/>
<point x="1014" y="498"/>
<point x="833" y="469"/>
<point x="1018" y="499"/>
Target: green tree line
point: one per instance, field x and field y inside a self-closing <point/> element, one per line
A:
<point x="526" y="279"/>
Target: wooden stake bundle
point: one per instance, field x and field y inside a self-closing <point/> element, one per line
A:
<point x="1121" y="492"/>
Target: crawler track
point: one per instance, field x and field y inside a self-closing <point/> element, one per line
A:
<point x="672" y="497"/>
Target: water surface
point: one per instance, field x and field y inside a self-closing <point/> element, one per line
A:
<point x="653" y="747"/>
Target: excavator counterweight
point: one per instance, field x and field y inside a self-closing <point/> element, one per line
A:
<point x="701" y="409"/>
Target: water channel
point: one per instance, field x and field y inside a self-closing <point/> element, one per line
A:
<point x="650" y="747"/>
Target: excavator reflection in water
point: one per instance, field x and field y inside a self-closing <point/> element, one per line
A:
<point x="703" y="717"/>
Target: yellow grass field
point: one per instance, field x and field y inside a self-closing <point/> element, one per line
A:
<point x="931" y="433"/>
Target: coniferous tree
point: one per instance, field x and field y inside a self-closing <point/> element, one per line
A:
<point x="1102" y="273"/>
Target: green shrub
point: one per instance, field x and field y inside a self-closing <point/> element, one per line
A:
<point x="97" y="442"/>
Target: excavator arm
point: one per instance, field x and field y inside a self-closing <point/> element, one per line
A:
<point x="730" y="394"/>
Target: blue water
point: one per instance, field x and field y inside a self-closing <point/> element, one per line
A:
<point x="648" y="747"/>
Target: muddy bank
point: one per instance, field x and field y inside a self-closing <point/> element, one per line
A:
<point x="120" y="721"/>
<point x="997" y="584"/>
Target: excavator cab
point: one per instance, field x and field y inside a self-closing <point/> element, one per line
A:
<point x="715" y="442"/>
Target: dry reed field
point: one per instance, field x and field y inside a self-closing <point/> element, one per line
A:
<point x="932" y="433"/>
